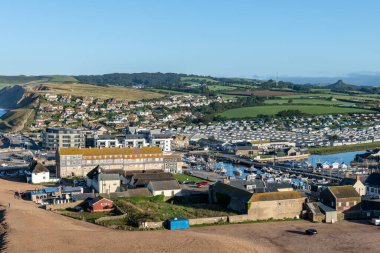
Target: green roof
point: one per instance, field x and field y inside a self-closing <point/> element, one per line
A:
<point x="345" y="191"/>
<point x="270" y="196"/>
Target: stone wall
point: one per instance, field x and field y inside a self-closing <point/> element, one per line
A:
<point x="63" y="206"/>
<point x="239" y="218"/>
<point x="151" y="224"/>
<point x="276" y="209"/>
<point x="210" y="220"/>
<point x="108" y="218"/>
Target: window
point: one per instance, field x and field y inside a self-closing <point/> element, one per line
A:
<point x="339" y="204"/>
<point x="347" y="203"/>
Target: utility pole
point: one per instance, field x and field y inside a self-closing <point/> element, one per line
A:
<point x="276" y="79"/>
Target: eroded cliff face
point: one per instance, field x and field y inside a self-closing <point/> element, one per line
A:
<point x="15" y="97"/>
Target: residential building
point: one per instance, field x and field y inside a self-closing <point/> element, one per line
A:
<point x="247" y="150"/>
<point x="100" y="204"/>
<point x="109" y="141"/>
<point x="356" y="183"/>
<point x="341" y="198"/>
<point x="168" y="188"/>
<point x="373" y="184"/>
<point x="56" y="138"/>
<point x="276" y="205"/>
<point x="164" y="141"/>
<point x="77" y="162"/>
<point x="39" y="174"/>
<point x="102" y="182"/>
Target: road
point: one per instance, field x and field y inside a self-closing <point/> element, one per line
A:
<point x="31" y="229"/>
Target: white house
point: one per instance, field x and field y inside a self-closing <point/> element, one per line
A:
<point x="103" y="183"/>
<point x="325" y="165"/>
<point x="356" y="183"/>
<point x="373" y="184"/>
<point x="40" y="174"/>
<point x="167" y="188"/>
<point x="335" y="165"/>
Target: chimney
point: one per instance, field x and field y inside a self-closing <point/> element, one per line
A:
<point x="357" y="178"/>
<point x="226" y="180"/>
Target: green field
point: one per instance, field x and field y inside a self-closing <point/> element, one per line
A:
<point x="311" y="101"/>
<point x="361" y="97"/>
<point x="345" y="148"/>
<point x="199" y="78"/>
<point x="220" y="87"/>
<point x="62" y="79"/>
<point x="251" y="112"/>
<point x="82" y="90"/>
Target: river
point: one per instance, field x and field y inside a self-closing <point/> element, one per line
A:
<point x="346" y="157"/>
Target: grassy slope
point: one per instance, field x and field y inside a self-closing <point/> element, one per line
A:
<point x="117" y="92"/>
<point x="346" y="148"/>
<point x="156" y="210"/>
<point x="60" y="78"/>
<point x="246" y="112"/>
<point x="220" y="87"/>
<point x="14" y="120"/>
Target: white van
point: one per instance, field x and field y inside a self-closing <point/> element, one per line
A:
<point x="375" y="221"/>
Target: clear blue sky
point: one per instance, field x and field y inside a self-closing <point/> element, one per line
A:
<point x="222" y="38"/>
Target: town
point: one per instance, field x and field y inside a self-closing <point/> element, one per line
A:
<point x="189" y="126"/>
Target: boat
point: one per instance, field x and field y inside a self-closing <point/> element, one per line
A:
<point x="250" y="170"/>
<point x="222" y="170"/>
<point x="237" y="172"/>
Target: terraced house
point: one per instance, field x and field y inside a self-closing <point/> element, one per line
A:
<point x="77" y="162"/>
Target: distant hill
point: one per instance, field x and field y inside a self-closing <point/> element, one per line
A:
<point x="10" y="80"/>
<point x="340" y="85"/>
<point x="20" y="79"/>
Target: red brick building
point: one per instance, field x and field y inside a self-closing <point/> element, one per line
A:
<point x="99" y="204"/>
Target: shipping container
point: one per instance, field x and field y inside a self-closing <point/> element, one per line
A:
<point x="174" y="224"/>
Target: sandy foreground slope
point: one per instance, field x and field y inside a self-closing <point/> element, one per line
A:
<point x="31" y="229"/>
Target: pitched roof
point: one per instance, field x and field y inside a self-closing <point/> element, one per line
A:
<point x="109" y="151"/>
<point x="38" y="168"/>
<point x="345" y="191"/>
<point x="99" y="174"/>
<point x="273" y="187"/>
<point x="97" y="199"/>
<point x="270" y="196"/>
<point x="165" y="185"/>
<point x="347" y="181"/>
<point x="243" y="183"/>
<point x="232" y="191"/>
<point x="373" y="179"/>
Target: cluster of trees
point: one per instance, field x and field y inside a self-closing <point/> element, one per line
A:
<point x="163" y="80"/>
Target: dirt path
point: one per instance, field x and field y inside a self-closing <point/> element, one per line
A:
<point x="35" y="230"/>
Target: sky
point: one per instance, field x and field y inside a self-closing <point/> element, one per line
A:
<point x="235" y="38"/>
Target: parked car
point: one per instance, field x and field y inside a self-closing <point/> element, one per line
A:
<point x="375" y="221"/>
<point x="311" y="231"/>
<point x="202" y="184"/>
